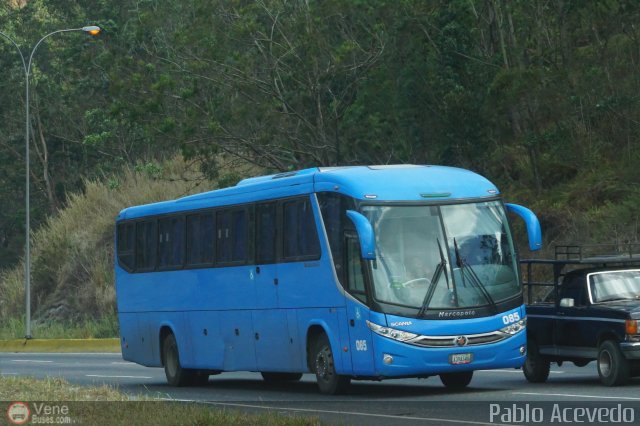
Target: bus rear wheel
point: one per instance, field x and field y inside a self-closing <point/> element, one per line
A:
<point x="176" y="375"/>
<point x="281" y="377"/>
<point x="323" y="364"/>
<point x="456" y="380"/>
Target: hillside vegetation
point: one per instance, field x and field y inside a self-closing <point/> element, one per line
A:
<point x="541" y="97"/>
<point x="72" y="253"/>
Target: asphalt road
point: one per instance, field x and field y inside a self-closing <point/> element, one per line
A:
<point x="401" y="402"/>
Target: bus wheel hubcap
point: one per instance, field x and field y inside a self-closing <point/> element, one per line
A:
<point x="322" y="365"/>
<point x="171" y="361"/>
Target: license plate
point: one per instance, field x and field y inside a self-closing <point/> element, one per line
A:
<point x="456" y="359"/>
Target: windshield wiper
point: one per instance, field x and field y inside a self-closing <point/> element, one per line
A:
<point x="475" y="281"/>
<point x="434" y="281"/>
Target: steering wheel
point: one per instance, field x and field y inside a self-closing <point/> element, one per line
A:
<point x="413" y="283"/>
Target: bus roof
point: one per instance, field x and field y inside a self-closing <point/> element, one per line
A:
<point x="375" y="183"/>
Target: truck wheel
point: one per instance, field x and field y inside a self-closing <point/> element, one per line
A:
<point x="281" y="377"/>
<point x="613" y="367"/>
<point x="176" y="375"/>
<point x="329" y="381"/>
<point x="536" y="367"/>
<point x="456" y="380"/>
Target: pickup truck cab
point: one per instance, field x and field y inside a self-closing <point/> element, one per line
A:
<point x="589" y="313"/>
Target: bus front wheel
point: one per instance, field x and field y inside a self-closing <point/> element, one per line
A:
<point x="176" y="375"/>
<point x="323" y="364"/>
<point x="456" y="380"/>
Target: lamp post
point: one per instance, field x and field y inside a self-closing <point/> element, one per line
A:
<point x="91" y="30"/>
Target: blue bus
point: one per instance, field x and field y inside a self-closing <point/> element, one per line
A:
<point x="364" y="272"/>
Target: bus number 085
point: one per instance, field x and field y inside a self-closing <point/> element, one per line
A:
<point x="508" y="319"/>
<point x="361" y="345"/>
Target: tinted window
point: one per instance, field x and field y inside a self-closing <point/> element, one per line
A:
<point x="239" y="236"/>
<point x="146" y="245"/>
<point x="333" y="208"/>
<point x="126" y="240"/>
<point x="232" y="236"/>
<point x="224" y="236"/>
<point x="266" y="233"/>
<point x="299" y="230"/>
<point x="171" y="242"/>
<point x="200" y="238"/>
<point x="355" y="275"/>
<point x="572" y="288"/>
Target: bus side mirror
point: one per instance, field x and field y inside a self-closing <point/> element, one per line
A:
<point x="531" y="221"/>
<point x="365" y="234"/>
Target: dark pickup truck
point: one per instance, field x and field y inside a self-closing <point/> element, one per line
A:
<point x="589" y="311"/>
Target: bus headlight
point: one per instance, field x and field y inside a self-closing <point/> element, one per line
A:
<point x="391" y="333"/>
<point x="515" y="328"/>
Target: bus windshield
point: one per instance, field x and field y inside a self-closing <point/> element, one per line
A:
<point x="443" y="257"/>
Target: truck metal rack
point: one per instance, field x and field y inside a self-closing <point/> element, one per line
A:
<point x="595" y="255"/>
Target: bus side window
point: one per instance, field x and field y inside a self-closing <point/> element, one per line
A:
<point x="355" y="276"/>
<point x="266" y="220"/>
<point x="126" y="243"/>
<point x="200" y="239"/>
<point x="171" y="242"/>
<point x="146" y="245"/>
<point x="299" y="231"/>
<point x="333" y="207"/>
<point x="231" y="236"/>
<point x="239" y="236"/>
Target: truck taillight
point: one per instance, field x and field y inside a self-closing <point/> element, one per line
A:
<point x="631" y="326"/>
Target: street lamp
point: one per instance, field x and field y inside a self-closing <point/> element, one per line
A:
<point x="91" y="30"/>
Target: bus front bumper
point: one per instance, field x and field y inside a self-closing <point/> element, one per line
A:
<point x="397" y="359"/>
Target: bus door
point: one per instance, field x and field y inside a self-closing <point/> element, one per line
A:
<point x="270" y="322"/>
<point x="361" y="346"/>
<point x="265" y="274"/>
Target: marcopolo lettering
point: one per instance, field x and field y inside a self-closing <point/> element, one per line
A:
<point x="456" y="314"/>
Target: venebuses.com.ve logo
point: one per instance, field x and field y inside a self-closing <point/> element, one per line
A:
<point x="18" y="413"/>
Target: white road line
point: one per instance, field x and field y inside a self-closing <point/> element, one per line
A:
<point x="350" y="413"/>
<point x="118" y="377"/>
<point x="124" y="363"/>
<point x="577" y="396"/>
<point x="514" y="371"/>
<point x="39" y="361"/>
<point x="8" y="374"/>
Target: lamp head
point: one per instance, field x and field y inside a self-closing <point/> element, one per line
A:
<point x="93" y="30"/>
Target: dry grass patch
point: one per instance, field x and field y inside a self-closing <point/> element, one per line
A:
<point x="105" y="405"/>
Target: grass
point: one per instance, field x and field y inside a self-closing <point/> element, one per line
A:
<point x="61" y="345"/>
<point x="105" y="405"/>
<point x="102" y="328"/>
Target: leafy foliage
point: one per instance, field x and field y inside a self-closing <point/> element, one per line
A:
<point x="541" y="97"/>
